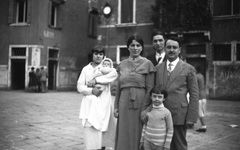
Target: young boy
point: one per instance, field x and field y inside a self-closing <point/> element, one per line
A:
<point x="158" y="131"/>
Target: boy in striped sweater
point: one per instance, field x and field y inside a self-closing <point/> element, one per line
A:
<point x="158" y="130"/>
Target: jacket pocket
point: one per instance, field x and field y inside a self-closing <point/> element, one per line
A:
<point x="184" y="104"/>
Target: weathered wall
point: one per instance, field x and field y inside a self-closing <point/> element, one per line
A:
<point x="226" y="82"/>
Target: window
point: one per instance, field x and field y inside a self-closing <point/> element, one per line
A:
<point x="222" y="52"/>
<point x="53" y="53"/>
<point x="226" y="7"/>
<point x="55" y="14"/>
<point x="124" y="53"/>
<point x="18" y="51"/>
<point x="92" y="23"/>
<point x="53" y="21"/>
<point x="127" y="11"/>
<point x="19" y="11"/>
<point x="196" y="49"/>
<point x="238" y="52"/>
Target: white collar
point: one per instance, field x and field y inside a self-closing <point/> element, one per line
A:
<point x="174" y="63"/>
<point x="160" y="106"/>
<point x="162" y="55"/>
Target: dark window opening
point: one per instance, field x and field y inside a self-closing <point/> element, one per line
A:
<point x="238" y="52"/>
<point x="226" y="7"/>
<point x="222" y="52"/>
<point x="92" y="23"/>
<point x="18" y="51"/>
<point x="54" y="15"/>
<point x="53" y="53"/>
<point x="124" y="53"/>
<point x="196" y="49"/>
<point x="127" y="11"/>
<point x="22" y="11"/>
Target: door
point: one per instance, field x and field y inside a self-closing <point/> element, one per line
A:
<point x="52" y="74"/>
<point x="18" y="74"/>
<point x="201" y="62"/>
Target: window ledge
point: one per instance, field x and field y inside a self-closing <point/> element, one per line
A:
<point x="126" y="25"/>
<point x="53" y="27"/>
<point x="226" y="17"/>
<point x="19" y="24"/>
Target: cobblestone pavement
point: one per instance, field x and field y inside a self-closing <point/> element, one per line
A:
<point x="49" y="121"/>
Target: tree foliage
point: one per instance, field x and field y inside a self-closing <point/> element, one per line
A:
<point x="181" y="14"/>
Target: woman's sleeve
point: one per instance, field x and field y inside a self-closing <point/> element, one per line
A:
<point x="117" y="96"/>
<point x="81" y="84"/>
<point x="149" y="83"/>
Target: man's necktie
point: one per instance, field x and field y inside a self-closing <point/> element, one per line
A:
<point x="170" y="68"/>
<point x="159" y="59"/>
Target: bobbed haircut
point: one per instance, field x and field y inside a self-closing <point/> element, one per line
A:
<point x="98" y="49"/>
<point x="159" y="90"/>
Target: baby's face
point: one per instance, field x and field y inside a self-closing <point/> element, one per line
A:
<point x="106" y="63"/>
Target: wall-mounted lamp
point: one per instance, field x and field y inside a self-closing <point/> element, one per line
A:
<point x="107" y="10"/>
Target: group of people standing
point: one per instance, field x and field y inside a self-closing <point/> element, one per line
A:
<point x="38" y="79"/>
<point x="151" y="105"/>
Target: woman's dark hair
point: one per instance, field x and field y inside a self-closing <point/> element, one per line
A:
<point x="159" y="90"/>
<point x="96" y="48"/>
<point x="138" y="39"/>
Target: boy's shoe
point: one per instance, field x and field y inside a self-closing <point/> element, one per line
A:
<point x="201" y="130"/>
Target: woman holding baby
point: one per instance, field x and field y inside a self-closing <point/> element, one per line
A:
<point x="96" y="111"/>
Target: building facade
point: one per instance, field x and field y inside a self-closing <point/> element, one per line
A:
<point x="224" y="70"/>
<point x="209" y="29"/>
<point x="50" y="33"/>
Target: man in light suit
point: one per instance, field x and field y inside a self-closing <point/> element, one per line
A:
<point x="178" y="81"/>
<point x="158" y="45"/>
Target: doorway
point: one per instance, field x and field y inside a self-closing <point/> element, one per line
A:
<point x="201" y="62"/>
<point x="18" y="74"/>
<point x="52" y="74"/>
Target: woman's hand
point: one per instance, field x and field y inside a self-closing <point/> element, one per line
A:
<point x="91" y="83"/>
<point x="115" y="113"/>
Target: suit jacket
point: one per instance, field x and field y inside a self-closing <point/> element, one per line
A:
<point x="152" y="58"/>
<point x="181" y="81"/>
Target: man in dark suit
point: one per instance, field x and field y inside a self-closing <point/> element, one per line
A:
<point x="178" y="78"/>
<point x="158" y="45"/>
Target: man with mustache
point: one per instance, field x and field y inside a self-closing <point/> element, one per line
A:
<point x="178" y="78"/>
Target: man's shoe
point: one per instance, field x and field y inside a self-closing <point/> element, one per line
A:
<point x="201" y="130"/>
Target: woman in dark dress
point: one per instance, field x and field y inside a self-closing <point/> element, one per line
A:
<point x="135" y="80"/>
<point x="33" y="81"/>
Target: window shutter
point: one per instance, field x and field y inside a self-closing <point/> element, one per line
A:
<point x="29" y="11"/>
<point x="11" y="12"/>
<point x="60" y="16"/>
<point x="49" y="12"/>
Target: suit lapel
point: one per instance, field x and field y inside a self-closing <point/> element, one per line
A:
<point x="177" y="70"/>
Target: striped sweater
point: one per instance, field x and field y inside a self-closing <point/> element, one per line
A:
<point x="159" y="128"/>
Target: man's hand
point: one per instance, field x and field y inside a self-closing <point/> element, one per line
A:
<point x="141" y="145"/>
<point x="189" y="124"/>
<point x="144" y="116"/>
<point x="96" y="91"/>
<point x="115" y="113"/>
